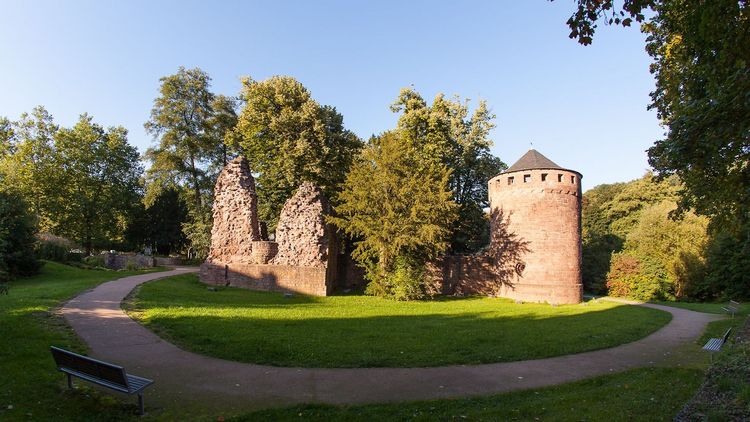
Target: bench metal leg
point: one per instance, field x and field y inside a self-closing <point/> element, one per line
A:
<point x="70" y="381"/>
<point x="141" y="411"/>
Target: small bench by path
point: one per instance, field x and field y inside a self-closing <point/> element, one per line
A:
<point x="184" y="377"/>
<point x="714" y="345"/>
<point x="100" y="373"/>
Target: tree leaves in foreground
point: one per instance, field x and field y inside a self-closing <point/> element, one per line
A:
<point x="702" y="71"/>
<point x="288" y="138"/>
<point x="400" y="209"/>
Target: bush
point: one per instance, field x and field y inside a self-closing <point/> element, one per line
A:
<point x="17" y="229"/>
<point x="56" y="248"/>
<point x="404" y="282"/>
<point x="638" y="278"/>
<point x="94" y="261"/>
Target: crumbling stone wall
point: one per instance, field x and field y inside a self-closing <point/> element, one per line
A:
<point x="235" y="214"/>
<point x="304" y="238"/>
<point x="303" y="257"/>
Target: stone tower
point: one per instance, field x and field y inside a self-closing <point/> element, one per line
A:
<point x="535" y="207"/>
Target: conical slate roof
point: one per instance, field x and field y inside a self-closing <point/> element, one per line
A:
<point x="533" y="160"/>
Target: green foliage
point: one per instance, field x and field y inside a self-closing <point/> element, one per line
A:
<point x="609" y="214"/>
<point x="702" y="86"/>
<point x="197" y="230"/>
<point x="160" y="223"/>
<point x="187" y="142"/>
<point x="94" y="261"/>
<point x="99" y="173"/>
<point x="80" y="181"/>
<point x="288" y="138"/>
<point x="445" y="133"/>
<point x="634" y="247"/>
<point x="404" y="282"/>
<point x="662" y="258"/>
<point x="191" y="125"/>
<point x="28" y="162"/>
<point x="53" y="248"/>
<point x="367" y="331"/>
<point x="728" y="267"/>
<point x="17" y="229"/>
<point x="397" y="205"/>
<point x="637" y="277"/>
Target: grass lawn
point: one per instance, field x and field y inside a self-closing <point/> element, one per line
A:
<point x="30" y="386"/>
<point x="647" y="394"/>
<point x="363" y="331"/>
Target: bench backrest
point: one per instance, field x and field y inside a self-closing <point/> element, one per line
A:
<point x="726" y="336"/>
<point x="95" y="368"/>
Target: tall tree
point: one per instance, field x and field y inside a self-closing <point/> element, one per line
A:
<point x="448" y="134"/>
<point x="289" y="138"/>
<point x="180" y="121"/>
<point x="98" y="173"/>
<point x="28" y="162"/>
<point x="400" y="208"/>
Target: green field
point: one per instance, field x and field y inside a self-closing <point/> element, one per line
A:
<point x="30" y="386"/>
<point x="364" y="331"/>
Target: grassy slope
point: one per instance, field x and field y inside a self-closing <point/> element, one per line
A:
<point x="30" y="386"/>
<point x="361" y="331"/>
<point x="648" y="394"/>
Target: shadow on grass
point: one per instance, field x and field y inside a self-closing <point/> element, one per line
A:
<point x="288" y="338"/>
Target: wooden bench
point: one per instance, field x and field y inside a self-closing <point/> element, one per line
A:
<point x="99" y="373"/>
<point x="732" y="307"/>
<point x="714" y="345"/>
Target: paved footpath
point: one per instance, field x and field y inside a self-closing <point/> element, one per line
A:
<point x="184" y="378"/>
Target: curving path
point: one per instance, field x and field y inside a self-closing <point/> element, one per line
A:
<point x="184" y="378"/>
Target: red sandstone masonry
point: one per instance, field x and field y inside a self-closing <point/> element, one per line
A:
<point x="546" y="214"/>
<point x="275" y="278"/>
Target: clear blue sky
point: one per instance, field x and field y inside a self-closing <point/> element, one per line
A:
<point x="583" y="107"/>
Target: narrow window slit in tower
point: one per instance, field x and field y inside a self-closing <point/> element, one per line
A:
<point x="510" y="180"/>
<point x="559" y="178"/>
<point x="526" y="178"/>
<point x="544" y="177"/>
<point x="572" y="179"/>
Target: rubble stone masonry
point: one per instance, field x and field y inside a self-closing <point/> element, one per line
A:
<point x="235" y="214"/>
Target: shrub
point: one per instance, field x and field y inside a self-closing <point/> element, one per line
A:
<point x="17" y="229"/>
<point x="638" y="278"/>
<point x="57" y="248"/>
<point x="404" y="282"/>
<point x="94" y="260"/>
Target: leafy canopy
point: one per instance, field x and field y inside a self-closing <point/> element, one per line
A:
<point x="288" y="138"/>
<point x="399" y="208"/>
<point x="446" y="133"/>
